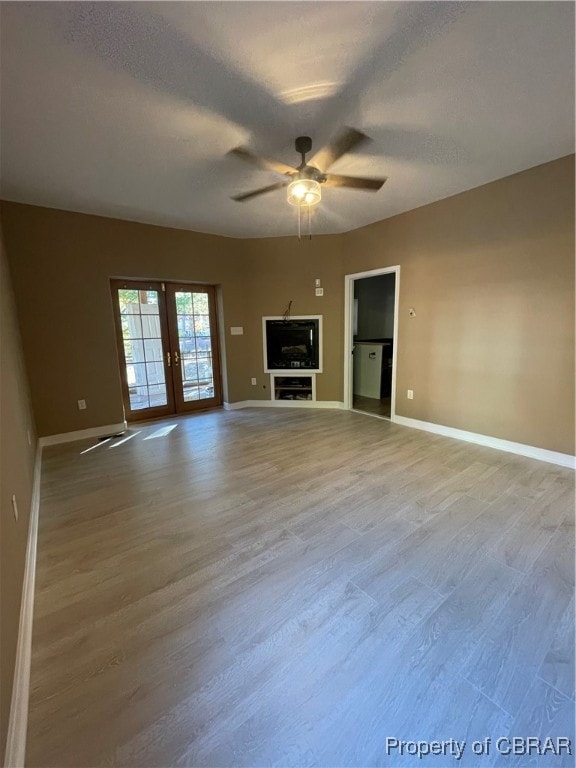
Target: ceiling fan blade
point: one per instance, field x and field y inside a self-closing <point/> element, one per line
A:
<point x="248" y="195"/>
<point x="354" y="182"/>
<point x="262" y="162"/>
<point x="344" y="142"/>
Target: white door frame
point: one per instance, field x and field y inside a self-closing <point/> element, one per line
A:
<point x="349" y="332"/>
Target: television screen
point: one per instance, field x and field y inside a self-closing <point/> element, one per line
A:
<point x="292" y="344"/>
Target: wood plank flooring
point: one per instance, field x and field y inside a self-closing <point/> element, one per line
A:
<point x="290" y="588"/>
<point x="380" y="407"/>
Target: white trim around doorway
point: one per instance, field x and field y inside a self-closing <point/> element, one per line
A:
<point x="349" y="331"/>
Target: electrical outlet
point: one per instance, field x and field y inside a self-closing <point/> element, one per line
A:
<point x="410" y="394"/>
<point x="15" y="507"/>
<point x="253" y="381"/>
<point x="319" y="291"/>
<point x="81" y="405"/>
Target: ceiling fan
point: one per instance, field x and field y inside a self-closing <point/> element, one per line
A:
<point x="304" y="181"/>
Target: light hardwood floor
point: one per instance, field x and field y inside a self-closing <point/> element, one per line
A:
<point x="290" y="587"/>
<point x="379" y="407"/>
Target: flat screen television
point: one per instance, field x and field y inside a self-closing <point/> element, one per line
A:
<point x="292" y="344"/>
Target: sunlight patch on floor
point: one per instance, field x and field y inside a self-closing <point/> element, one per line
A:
<point x="162" y="432"/>
<point x="98" y="444"/>
<point x="125" y="439"/>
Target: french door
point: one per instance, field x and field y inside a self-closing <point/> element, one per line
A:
<point x="167" y="347"/>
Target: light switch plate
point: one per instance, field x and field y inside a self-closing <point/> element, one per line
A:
<point x="236" y="330"/>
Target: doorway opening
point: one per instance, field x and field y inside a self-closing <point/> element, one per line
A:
<point x="371" y="316"/>
<point x="167" y="347"/>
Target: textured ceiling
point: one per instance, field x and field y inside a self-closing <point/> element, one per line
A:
<point x="128" y="109"/>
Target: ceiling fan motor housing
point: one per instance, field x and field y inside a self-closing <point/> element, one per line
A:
<point x="309" y="172"/>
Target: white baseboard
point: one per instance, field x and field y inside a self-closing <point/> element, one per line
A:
<point x="83" y="434"/>
<point x="552" y="457"/>
<point x="18" y="721"/>
<point x="283" y="404"/>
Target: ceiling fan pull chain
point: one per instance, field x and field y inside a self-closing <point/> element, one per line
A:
<point x="298" y="206"/>
<point x="309" y="225"/>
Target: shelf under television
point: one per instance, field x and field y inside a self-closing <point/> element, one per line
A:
<point x="284" y="387"/>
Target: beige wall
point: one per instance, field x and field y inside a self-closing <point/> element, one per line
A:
<point x="62" y="265"/>
<point x="16" y="477"/>
<point x="490" y="272"/>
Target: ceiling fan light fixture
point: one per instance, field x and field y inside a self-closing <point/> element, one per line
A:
<point x="304" y="192"/>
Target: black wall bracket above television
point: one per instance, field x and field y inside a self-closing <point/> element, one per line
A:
<point x="292" y="344"/>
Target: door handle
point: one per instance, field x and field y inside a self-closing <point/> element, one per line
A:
<point x="176" y="358"/>
<point x="168" y="360"/>
<point x="372" y="355"/>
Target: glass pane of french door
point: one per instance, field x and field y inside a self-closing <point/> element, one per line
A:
<point x="141" y="322"/>
<point x="194" y="342"/>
